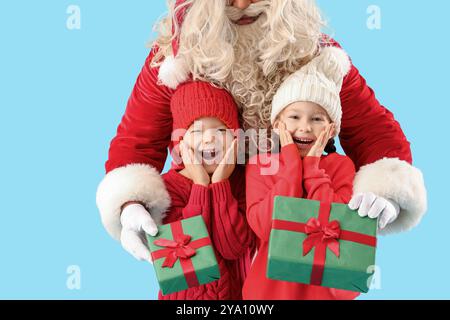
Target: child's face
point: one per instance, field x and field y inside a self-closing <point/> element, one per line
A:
<point x="304" y="121"/>
<point x="209" y="138"/>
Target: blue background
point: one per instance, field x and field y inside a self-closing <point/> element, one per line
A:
<point x="63" y="92"/>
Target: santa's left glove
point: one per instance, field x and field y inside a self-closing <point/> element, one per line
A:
<point x="376" y="207"/>
<point x="136" y="221"/>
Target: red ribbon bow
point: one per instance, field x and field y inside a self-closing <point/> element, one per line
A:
<point x="180" y="249"/>
<point x="327" y="235"/>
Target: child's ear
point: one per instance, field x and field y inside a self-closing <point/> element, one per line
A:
<point x="333" y="131"/>
<point x="276" y="124"/>
<point x="180" y="146"/>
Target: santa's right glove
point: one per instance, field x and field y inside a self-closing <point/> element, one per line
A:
<point x="376" y="207"/>
<point x="136" y="221"/>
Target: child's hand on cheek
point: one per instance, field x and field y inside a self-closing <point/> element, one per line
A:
<point x="319" y="146"/>
<point x="285" y="136"/>
<point x="195" y="168"/>
<point x="226" y="165"/>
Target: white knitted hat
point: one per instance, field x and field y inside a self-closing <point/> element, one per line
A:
<point x="320" y="81"/>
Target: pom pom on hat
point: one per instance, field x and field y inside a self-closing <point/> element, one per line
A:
<point x="174" y="70"/>
<point x="334" y="63"/>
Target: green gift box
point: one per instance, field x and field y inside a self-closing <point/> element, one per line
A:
<point x="183" y="255"/>
<point x="321" y="243"/>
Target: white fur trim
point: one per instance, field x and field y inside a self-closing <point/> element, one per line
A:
<point x="173" y="71"/>
<point x="134" y="182"/>
<point x="399" y="181"/>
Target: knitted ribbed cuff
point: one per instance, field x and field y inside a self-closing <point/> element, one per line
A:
<point x="290" y="152"/>
<point x="310" y="164"/>
<point x="199" y="195"/>
<point x="221" y="190"/>
<point x="292" y="162"/>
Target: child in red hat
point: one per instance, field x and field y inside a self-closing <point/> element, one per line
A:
<point x="207" y="181"/>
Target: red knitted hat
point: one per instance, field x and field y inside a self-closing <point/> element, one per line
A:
<point x="194" y="100"/>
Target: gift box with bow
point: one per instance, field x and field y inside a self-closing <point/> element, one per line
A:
<point x="183" y="255"/>
<point x="320" y="243"/>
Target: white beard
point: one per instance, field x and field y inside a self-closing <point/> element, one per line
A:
<point x="246" y="81"/>
<point x="250" y="61"/>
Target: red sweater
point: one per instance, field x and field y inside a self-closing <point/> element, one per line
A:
<point x="222" y="206"/>
<point x="328" y="178"/>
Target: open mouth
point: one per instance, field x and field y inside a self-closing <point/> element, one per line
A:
<point x="209" y="155"/>
<point x="303" y="142"/>
<point x="247" y="20"/>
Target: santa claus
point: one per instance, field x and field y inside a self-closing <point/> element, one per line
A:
<point x="248" y="47"/>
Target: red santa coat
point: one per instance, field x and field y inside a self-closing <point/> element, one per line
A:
<point x="222" y="206"/>
<point x="370" y="136"/>
<point x="329" y="178"/>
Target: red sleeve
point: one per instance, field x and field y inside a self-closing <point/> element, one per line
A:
<point x="230" y="231"/>
<point x="335" y="185"/>
<point x="261" y="190"/>
<point x="199" y="204"/>
<point x="369" y="131"/>
<point x="144" y="133"/>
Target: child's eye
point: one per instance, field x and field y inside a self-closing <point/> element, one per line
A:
<point x="293" y="117"/>
<point x="317" y="119"/>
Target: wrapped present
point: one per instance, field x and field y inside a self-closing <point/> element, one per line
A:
<point x="320" y="243"/>
<point x="183" y="255"/>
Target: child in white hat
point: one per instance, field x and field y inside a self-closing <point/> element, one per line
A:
<point x="313" y="90"/>
<point x="307" y="112"/>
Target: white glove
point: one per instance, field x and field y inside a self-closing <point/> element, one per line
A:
<point x="136" y="220"/>
<point x="374" y="206"/>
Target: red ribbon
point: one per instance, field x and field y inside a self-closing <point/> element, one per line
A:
<point x="317" y="233"/>
<point x="322" y="234"/>
<point x="181" y="248"/>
